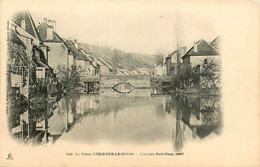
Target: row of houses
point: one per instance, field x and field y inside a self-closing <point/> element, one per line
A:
<point x="192" y="59"/>
<point x="35" y="55"/>
<point x="200" y="52"/>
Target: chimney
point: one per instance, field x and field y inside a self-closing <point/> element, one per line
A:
<point x="52" y="23"/>
<point x="76" y="44"/>
<point x="49" y="35"/>
<point x="23" y="25"/>
<point x="195" y="47"/>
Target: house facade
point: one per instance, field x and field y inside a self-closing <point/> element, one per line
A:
<point x="160" y="70"/>
<point x="199" y="56"/>
<point x="200" y="53"/>
<point x="91" y="66"/>
<point x="28" y="54"/>
<point x="28" y="73"/>
<point x="171" y="61"/>
<point x="59" y="54"/>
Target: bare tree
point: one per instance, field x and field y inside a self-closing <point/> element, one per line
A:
<point x="210" y="73"/>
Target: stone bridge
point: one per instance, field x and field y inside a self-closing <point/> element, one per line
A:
<point x="137" y="81"/>
<point x="92" y="84"/>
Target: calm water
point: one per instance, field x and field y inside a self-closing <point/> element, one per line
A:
<point x="135" y="118"/>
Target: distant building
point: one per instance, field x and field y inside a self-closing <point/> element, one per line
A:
<point x="74" y="53"/>
<point x="143" y="71"/>
<point x="105" y="67"/>
<point x="160" y="70"/>
<point x="92" y="67"/>
<point x="171" y="61"/>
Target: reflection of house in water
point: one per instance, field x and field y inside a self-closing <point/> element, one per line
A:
<point x="203" y="118"/>
<point x="70" y="110"/>
<point x="28" y="71"/>
<point x="200" y="115"/>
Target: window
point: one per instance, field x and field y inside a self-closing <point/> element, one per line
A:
<point x="205" y="61"/>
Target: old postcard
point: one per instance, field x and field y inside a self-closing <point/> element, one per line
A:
<point x="137" y="83"/>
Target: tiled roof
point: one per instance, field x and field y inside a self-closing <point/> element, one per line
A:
<point x="203" y="48"/>
<point x="30" y="26"/>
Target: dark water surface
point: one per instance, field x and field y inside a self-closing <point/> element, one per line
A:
<point x="136" y="118"/>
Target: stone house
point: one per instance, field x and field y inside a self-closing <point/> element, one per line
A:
<point x="60" y="53"/>
<point x="92" y="67"/>
<point x="27" y="69"/>
<point x="200" y="52"/>
<point x="171" y="61"/>
<point x="199" y="55"/>
<point x="27" y="52"/>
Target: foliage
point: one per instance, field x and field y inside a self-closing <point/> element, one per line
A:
<point x="207" y="77"/>
<point x="187" y="78"/>
<point x="38" y="99"/>
<point x="210" y="74"/>
<point x="69" y="78"/>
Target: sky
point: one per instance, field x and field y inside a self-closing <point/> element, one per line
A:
<point x="131" y="27"/>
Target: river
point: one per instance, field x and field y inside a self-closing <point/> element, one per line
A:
<point x="136" y="118"/>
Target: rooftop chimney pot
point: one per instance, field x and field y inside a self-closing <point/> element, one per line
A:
<point x="195" y="47"/>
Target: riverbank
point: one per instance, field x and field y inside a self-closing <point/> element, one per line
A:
<point x="199" y="91"/>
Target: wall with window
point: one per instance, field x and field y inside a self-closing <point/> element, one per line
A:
<point x="199" y="60"/>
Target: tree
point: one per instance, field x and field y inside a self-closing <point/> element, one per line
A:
<point x="159" y="56"/>
<point x="186" y="79"/>
<point x="69" y="78"/>
<point x="210" y="73"/>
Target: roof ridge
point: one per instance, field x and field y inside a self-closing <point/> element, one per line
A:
<point x="34" y="27"/>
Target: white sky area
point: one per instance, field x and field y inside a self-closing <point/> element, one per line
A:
<point x="131" y="27"/>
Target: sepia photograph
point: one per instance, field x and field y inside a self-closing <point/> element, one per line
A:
<point x="113" y="80"/>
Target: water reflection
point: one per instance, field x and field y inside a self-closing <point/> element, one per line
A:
<point x="136" y="119"/>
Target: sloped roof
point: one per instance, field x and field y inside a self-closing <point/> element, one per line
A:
<point x="30" y="26"/>
<point x="80" y="55"/>
<point x="216" y="43"/>
<point x="60" y="39"/>
<point x="19" y="51"/>
<point x="72" y="48"/>
<point x="105" y="63"/>
<point x="14" y="38"/>
<point x="203" y="48"/>
<point x="171" y="54"/>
